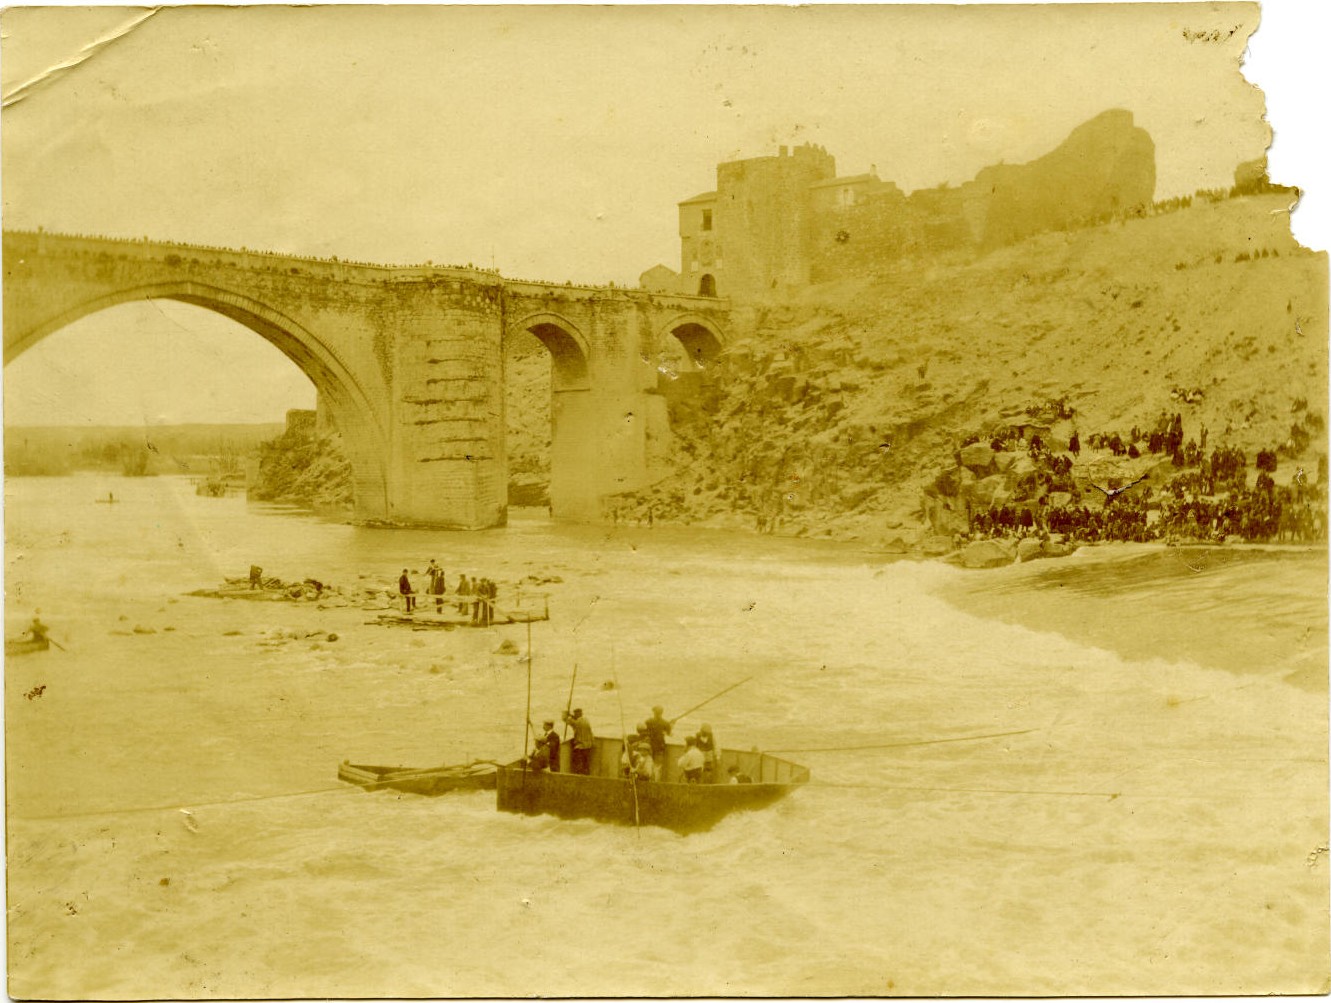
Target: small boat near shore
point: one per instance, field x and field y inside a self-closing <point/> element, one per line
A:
<point x="429" y="782"/>
<point x="607" y="796"/>
<point x="25" y="646"/>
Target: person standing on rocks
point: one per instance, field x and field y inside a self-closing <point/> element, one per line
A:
<point x="437" y="584"/>
<point x="404" y="587"/>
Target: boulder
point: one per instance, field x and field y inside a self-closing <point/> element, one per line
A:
<point x="978" y="456"/>
<point x="1060" y="499"/>
<point x="1023" y="464"/>
<point x="984" y="493"/>
<point x="988" y="554"/>
<point x="1003" y="461"/>
<point x="1054" y="549"/>
<point x="936" y="545"/>
<point x="1029" y="549"/>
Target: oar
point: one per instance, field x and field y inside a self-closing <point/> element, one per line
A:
<point x="52" y="640"/>
<point x="709" y="700"/>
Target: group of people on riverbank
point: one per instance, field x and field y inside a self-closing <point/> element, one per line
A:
<point x="1208" y="499"/>
<point x="645" y="754"/>
<point x="1184" y="509"/>
<point x="476" y="594"/>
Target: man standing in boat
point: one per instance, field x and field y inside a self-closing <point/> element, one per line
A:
<point x="549" y="741"/>
<point x="657" y="730"/>
<point x="707" y="746"/>
<point x="691" y="762"/>
<point x="580" y="755"/>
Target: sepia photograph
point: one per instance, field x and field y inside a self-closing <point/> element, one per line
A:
<point x="661" y="501"/>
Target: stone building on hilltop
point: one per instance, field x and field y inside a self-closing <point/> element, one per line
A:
<point x="782" y="222"/>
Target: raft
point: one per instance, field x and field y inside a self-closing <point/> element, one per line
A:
<point x="25" y="647"/>
<point x="429" y="782"/>
<point x="606" y="796"/>
<point x="450" y="619"/>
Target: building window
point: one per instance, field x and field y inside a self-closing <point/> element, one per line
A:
<point x="707" y="286"/>
<point x="707" y="219"/>
<point x="694" y="266"/>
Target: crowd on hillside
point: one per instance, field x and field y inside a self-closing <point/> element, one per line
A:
<point x="1208" y="499"/>
<point x="1286" y="514"/>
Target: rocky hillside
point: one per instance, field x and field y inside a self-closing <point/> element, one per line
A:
<point x="853" y="396"/>
<point x="299" y="468"/>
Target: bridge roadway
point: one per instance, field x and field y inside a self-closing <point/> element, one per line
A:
<point x="408" y="361"/>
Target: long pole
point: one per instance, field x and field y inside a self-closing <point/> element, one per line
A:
<point x="569" y="708"/>
<point x="624" y="741"/>
<point x="710" y="699"/>
<point x="526" y="724"/>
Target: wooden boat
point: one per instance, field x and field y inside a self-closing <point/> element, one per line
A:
<point x="429" y="782"/>
<point x="25" y="646"/>
<point x="608" y="796"/>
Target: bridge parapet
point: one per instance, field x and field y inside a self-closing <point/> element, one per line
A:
<point x="45" y="242"/>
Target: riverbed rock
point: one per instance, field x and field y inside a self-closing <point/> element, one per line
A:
<point x="507" y="648"/>
<point x="988" y="554"/>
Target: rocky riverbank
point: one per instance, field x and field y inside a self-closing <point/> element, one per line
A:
<point x="302" y="467"/>
<point x="840" y="412"/>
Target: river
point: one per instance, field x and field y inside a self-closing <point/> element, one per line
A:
<point x="1153" y="818"/>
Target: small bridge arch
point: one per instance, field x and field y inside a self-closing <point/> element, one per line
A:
<point x="702" y="339"/>
<point x="567" y="346"/>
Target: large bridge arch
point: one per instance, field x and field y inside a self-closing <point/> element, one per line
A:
<point x="348" y="401"/>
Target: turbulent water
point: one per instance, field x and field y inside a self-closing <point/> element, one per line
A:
<point x="1148" y="819"/>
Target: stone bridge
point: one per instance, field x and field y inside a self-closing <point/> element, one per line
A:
<point x="408" y="361"/>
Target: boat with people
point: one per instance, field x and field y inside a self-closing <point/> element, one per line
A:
<point x="746" y="781"/>
<point x="430" y="782"/>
